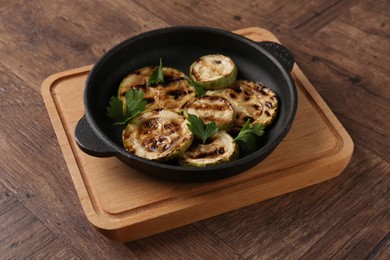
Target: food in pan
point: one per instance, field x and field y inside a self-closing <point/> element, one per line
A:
<point x="158" y="134"/>
<point x="212" y="108"/>
<point x="219" y="148"/>
<point x="197" y="120"/>
<point x="213" y="71"/>
<point x="251" y="101"/>
<point x="173" y="93"/>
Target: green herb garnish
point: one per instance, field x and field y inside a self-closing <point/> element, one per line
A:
<point x="248" y="134"/>
<point x="200" y="91"/>
<point x="157" y="76"/>
<point x="115" y="108"/>
<point x="200" y="129"/>
<point x="135" y="104"/>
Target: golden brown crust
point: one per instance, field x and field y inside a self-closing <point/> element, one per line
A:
<point x="157" y="135"/>
<point x="251" y="101"/>
<point x="173" y="94"/>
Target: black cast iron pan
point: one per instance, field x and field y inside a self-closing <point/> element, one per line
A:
<point x="265" y="62"/>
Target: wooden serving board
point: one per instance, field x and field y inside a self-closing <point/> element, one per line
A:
<point x="127" y="205"/>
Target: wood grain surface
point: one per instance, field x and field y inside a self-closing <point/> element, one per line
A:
<point x="341" y="46"/>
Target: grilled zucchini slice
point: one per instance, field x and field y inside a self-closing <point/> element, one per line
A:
<point x="213" y="108"/>
<point x="250" y="100"/>
<point x="173" y="94"/>
<point x="213" y="71"/>
<point x="158" y="135"/>
<point x="219" y="148"/>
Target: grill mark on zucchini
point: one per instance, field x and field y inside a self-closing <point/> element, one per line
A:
<point x="250" y="100"/>
<point x="217" y="152"/>
<point x="213" y="71"/>
<point x="164" y="140"/>
<point x="157" y="135"/>
<point x="144" y="86"/>
<point x="212" y="108"/>
<point x="177" y="93"/>
<point x="218" y="149"/>
<point x="171" y="79"/>
<point x="173" y="94"/>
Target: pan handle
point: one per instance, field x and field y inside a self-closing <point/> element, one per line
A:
<point x="89" y="142"/>
<point x="281" y="53"/>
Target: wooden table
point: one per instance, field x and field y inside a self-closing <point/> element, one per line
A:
<point x="341" y="47"/>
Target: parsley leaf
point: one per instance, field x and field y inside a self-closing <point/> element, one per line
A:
<point x="200" y="91"/>
<point x="157" y="76"/>
<point x="248" y="134"/>
<point x="115" y="108"/>
<point x="200" y="129"/>
<point x="135" y="104"/>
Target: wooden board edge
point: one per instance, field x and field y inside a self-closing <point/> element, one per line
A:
<point x="346" y="147"/>
<point x="62" y="137"/>
<point x="266" y="188"/>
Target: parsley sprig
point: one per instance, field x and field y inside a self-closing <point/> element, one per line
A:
<point x="248" y="134"/>
<point x="157" y="76"/>
<point x="200" y="129"/>
<point x="200" y="91"/>
<point x="135" y="104"/>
